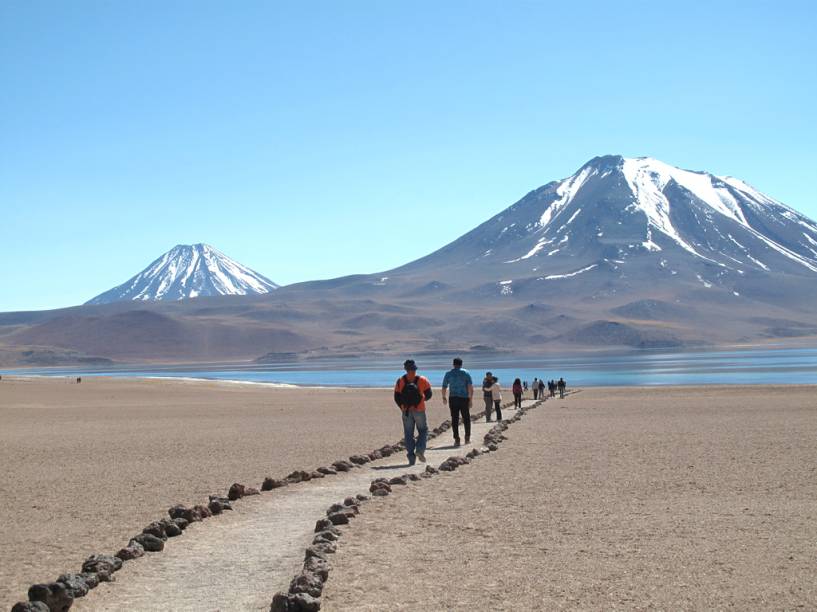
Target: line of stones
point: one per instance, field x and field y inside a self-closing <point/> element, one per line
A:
<point x="58" y="596"/>
<point x="306" y="588"/>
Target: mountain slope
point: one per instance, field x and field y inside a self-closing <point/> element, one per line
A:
<point x="187" y="271"/>
<point x="626" y="224"/>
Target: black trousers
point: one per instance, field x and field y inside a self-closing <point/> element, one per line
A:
<point x="517" y="400"/>
<point x="459" y="407"/>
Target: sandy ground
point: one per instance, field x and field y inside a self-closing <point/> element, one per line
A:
<point x="240" y="560"/>
<point x="610" y="499"/>
<point x="87" y="466"/>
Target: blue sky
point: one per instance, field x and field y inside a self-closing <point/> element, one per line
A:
<point x="316" y="139"/>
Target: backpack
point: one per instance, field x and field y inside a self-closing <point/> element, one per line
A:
<point x="411" y="395"/>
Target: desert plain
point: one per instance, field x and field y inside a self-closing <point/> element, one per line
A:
<point x="622" y="498"/>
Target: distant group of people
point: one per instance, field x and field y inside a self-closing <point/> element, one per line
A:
<point x="539" y="386"/>
<point x="412" y="391"/>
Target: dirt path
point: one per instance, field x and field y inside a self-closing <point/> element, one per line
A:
<point x="240" y="559"/>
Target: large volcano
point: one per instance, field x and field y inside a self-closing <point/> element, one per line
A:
<point x="620" y="224"/>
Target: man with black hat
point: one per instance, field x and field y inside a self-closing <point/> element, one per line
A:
<point x="410" y="394"/>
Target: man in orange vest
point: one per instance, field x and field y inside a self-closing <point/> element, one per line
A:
<point x="410" y="394"/>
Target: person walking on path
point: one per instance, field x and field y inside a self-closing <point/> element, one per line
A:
<point x="562" y="386"/>
<point x="461" y="398"/>
<point x="487" y="396"/>
<point x="496" y="396"/>
<point x="535" y="387"/>
<point x="410" y="394"/>
<point x="541" y="389"/>
<point x="517" y="390"/>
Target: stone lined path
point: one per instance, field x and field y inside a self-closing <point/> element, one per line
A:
<point x="240" y="559"/>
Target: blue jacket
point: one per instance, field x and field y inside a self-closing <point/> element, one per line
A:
<point x="458" y="380"/>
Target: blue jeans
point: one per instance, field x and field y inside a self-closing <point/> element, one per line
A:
<point x="410" y="419"/>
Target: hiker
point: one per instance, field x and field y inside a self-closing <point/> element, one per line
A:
<point x="462" y="396"/>
<point x="535" y="387"/>
<point x="525" y="386"/>
<point x="496" y="396"/>
<point x="487" y="396"/>
<point x="517" y="389"/>
<point x="562" y="385"/>
<point x="552" y="388"/>
<point x="541" y="389"/>
<point x="410" y="394"/>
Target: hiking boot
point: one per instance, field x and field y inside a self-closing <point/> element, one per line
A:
<point x="468" y="439"/>
<point x="421" y="457"/>
<point x="456" y="441"/>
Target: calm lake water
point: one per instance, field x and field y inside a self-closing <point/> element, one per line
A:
<point x="778" y="366"/>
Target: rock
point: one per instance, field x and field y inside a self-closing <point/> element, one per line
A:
<point x="473" y="453"/>
<point x="342" y="466"/>
<point x="350" y="501"/>
<point x="316" y="550"/>
<point x="91" y="579"/>
<point x="216" y="507"/>
<point x="359" y="459"/>
<point x="426" y="475"/>
<point x="252" y="491"/>
<point x="75" y="583"/>
<point x="317" y="566"/>
<point x="303" y="602"/>
<point x="375" y="455"/>
<point x="328" y="535"/>
<point x="299" y="476"/>
<point x="272" y="483"/>
<point x="191" y="515"/>
<point x="149" y="542"/>
<point x="379" y="486"/>
<point x="339" y="518"/>
<point x="30" y="606"/>
<point x="327" y="470"/>
<point x="236" y="491"/>
<point x="398" y="480"/>
<point x="102" y="564"/>
<point x="156" y="529"/>
<point x="203" y="512"/>
<point x="307" y="582"/>
<point x="493" y="447"/>
<point x="386" y="451"/>
<point x="320" y="538"/>
<point x="361" y="497"/>
<point x="413" y="476"/>
<point x="317" y="474"/>
<point x="172" y="530"/>
<point x="181" y="523"/>
<point x="432" y="470"/>
<point x="322" y="524"/>
<point x="55" y="595"/>
<point x="335" y="508"/>
<point x="280" y="602"/>
<point x="134" y="550"/>
<point x="381" y="492"/>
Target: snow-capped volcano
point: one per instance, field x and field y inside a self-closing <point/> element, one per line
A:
<point x="637" y="219"/>
<point x="187" y="271"/>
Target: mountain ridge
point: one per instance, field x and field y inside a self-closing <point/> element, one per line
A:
<point x="624" y="253"/>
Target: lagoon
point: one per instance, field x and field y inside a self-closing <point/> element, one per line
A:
<point x="636" y="368"/>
